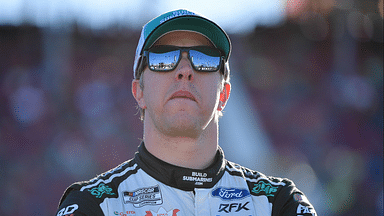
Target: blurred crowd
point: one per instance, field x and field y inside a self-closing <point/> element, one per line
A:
<point x="318" y="88"/>
<point x="67" y="113"/>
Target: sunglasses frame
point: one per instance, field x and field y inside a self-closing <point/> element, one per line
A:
<point x="145" y="60"/>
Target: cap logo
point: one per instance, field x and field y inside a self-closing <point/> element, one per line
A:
<point x="176" y="14"/>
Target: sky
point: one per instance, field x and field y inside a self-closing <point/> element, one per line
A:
<point x="235" y="16"/>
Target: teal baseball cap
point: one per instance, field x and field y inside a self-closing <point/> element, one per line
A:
<point x="179" y="20"/>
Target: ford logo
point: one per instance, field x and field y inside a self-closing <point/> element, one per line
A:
<point x="230" y="193"/>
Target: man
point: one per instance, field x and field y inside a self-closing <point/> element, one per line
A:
<point x="181" y="84"/>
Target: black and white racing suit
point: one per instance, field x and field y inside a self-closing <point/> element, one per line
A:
<point x="147" y="186"/>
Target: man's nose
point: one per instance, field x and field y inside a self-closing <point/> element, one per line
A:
<point x="184" y="70"/>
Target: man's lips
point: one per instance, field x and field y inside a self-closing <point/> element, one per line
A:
<point x="183" y="94"/>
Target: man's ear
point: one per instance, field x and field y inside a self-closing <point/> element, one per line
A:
<point x="224" y="95"/>
<point x="137" y="93"/>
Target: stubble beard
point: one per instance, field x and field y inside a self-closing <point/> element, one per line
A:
<point x="181" y="126"/>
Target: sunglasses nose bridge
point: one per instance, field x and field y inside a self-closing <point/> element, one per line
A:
<point x="184" y="54"/>
<point x="184" y="58"/>
<point x="184" y="70"/>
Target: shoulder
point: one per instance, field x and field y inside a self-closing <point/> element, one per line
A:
<point x="106" y="184"/>
<point x="282" y="193"/>
<point x="85" y="197"/>
<point x="258" y="183"/>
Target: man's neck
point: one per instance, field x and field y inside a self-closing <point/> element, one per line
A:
<point x="183" y="151"/>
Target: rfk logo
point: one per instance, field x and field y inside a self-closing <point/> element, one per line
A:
<point x="162" y="212"/>
<point x="227" y="208"/>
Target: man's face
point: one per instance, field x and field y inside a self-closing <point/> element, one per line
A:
<point x="182" y="102"/>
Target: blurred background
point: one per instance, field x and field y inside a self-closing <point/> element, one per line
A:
<point x="306" y="103"/>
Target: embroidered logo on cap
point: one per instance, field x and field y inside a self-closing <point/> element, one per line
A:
<point x="177" y="14"/>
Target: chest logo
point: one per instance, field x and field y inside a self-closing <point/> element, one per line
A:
<point x="262" y="188"/>
<point x="230" y="193"/>
<point x="236" y="207"/>
<point x="143" y="196"/>
<point x="100" y="190"/>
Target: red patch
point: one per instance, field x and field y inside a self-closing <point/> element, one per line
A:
<point x="298" y="197"/>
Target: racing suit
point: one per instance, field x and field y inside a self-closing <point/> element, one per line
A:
<point x="147" y="186"/>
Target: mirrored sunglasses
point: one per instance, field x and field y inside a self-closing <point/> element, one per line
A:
<point x="166" y="58"/>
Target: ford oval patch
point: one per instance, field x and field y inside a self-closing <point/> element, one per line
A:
<point x="230" y="193"/>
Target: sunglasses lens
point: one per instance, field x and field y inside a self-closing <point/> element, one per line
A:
<point x="163" y="60"/>
<point x="166" y="58"/>
<point x="205" y="59"/>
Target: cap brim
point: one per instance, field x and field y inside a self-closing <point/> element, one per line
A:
<point x="192" y="23"/>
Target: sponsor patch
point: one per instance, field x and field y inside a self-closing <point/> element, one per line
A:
<point x="126" y="213"/>
<point x="68" y="210"/>
<point x="300" y="198"/>
<point x="305" y="210"/>
<point x="233" y="207"/>
<point x="230" y="193"/>
<point x="143" y="196"/>
<point x="162" y="212"/>
<point x="198" y="178"/>
<point x="297" y="197"/>
<point x="262" y="188"/>
<point x="100" y="190"/>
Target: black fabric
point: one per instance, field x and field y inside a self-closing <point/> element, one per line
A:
<point x="290" y="201"/>
<point x="180" y="177"/>
<point x="78" y="203"/>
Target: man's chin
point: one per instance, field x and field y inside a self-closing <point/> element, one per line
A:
<point x="181" y="125"/>
<point x="183" y="131"/>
